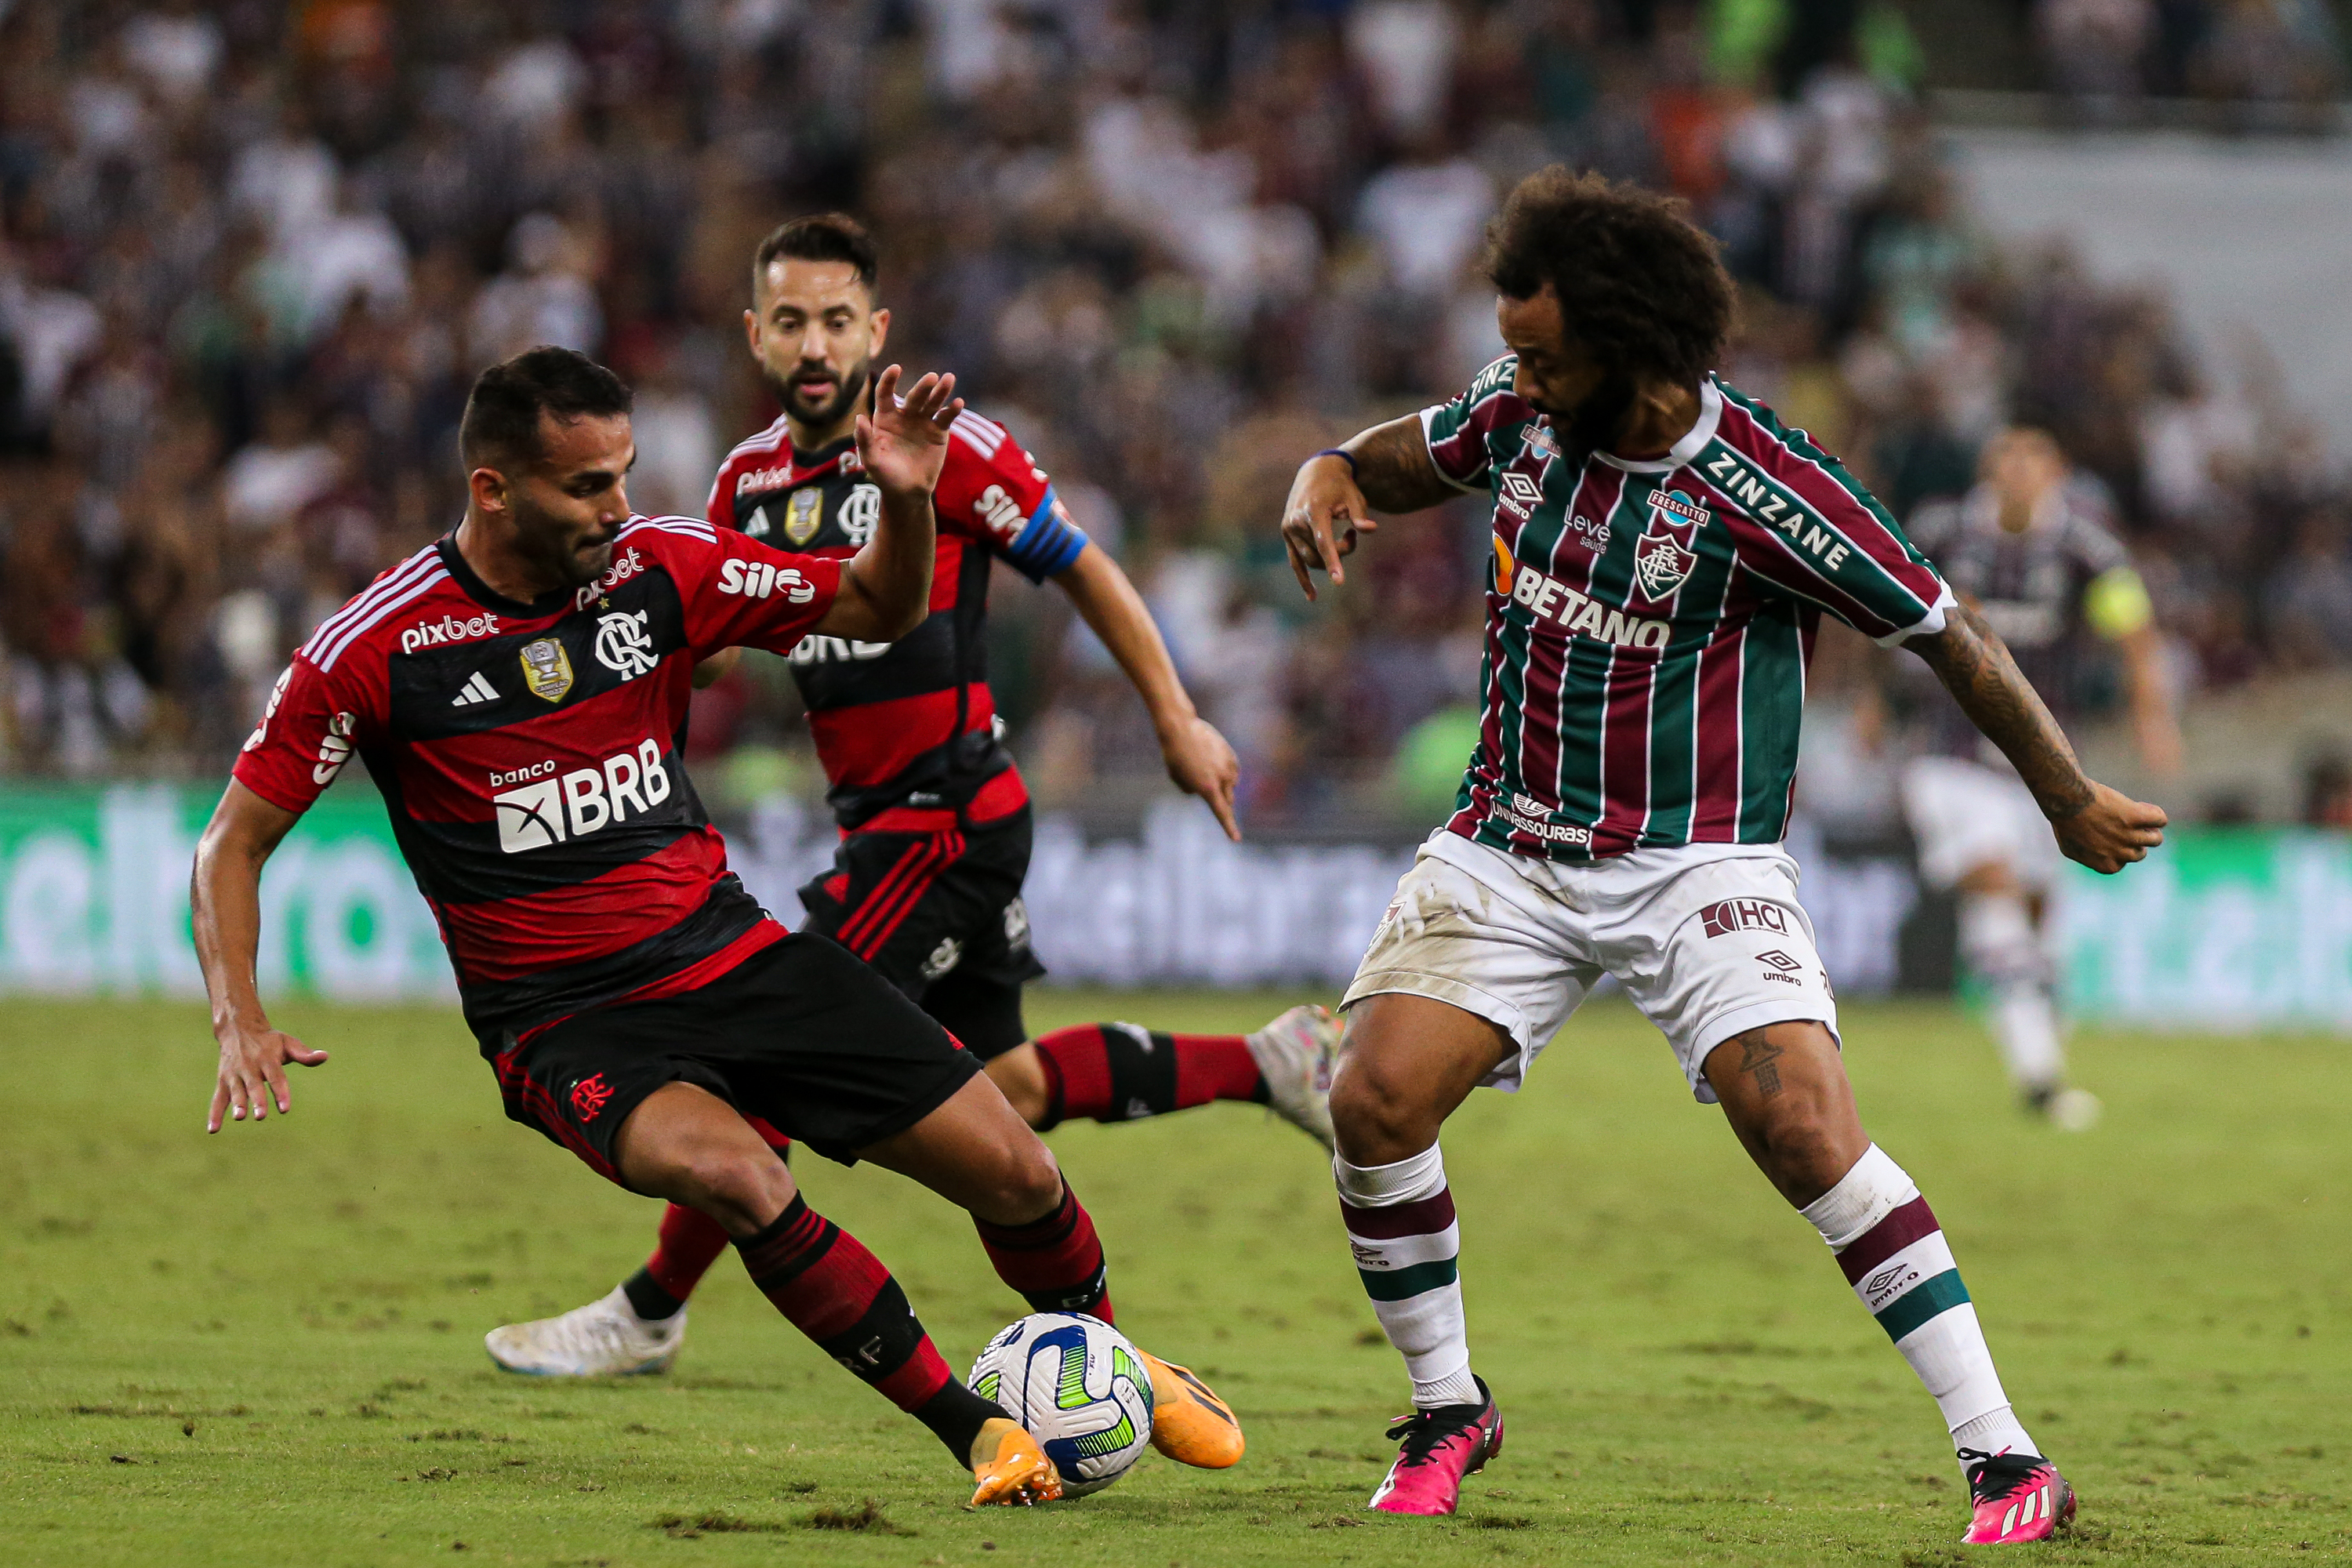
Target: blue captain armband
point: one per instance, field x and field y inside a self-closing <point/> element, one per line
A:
<point x="1049" y="543"/>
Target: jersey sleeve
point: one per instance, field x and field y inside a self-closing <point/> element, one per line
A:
<point x="993" y="491"/>
<point x="1807" y="526"/>
<point x="718" y="510"/>
<point x="1456" y="431"/>
<point x="738" y="592"/>
<point x="314" y="721"/>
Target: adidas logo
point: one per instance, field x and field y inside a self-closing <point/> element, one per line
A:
<point x="477" y="689"/>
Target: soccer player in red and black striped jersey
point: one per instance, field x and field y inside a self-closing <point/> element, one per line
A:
<point x="518" y="691"/>
<point x="1664" y="550"/>
<point x="934" y="817"/>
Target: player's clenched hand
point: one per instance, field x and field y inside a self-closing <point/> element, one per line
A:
<point x="1321" y="519"/>
<point x="2111" y="832"/>
<point x="903" y="441"/>
<point x="1201" y="762"/>
<point x="253" y="1072"/>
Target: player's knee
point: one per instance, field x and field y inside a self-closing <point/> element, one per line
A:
<point x="1807" y="1149"/>
<point x="740" y="1188"/>
<point x="1375" y="1113"/>
<point x="1031" y="1186"/>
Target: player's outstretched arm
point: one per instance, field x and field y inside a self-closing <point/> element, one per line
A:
<point x="226" y="896"/>
<point x="1331" y="501"/>
<point x="2102" y="828"/>
<point x="1199" y="761"/>
<point x="886" y="587"/>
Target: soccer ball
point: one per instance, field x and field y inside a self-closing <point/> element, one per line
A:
<point x="1078" y="1387"/>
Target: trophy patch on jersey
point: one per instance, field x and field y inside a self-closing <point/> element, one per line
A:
<point x="546" y="669"/>
<point x="804" y="514"/>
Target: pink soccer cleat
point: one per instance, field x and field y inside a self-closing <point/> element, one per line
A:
<point x="2019" y="1496"/>
<point x="1439" y="1447"/>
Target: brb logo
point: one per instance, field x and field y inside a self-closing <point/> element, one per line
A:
<point x="581" y="802"/>
<point x="623" y="644"/>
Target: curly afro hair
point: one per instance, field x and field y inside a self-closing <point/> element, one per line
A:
<point x="1641" y="286"/>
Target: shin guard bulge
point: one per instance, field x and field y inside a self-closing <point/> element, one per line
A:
<point x="1894" y="1253"/>
<point x="1055" y="1264"/>
<point x="1400" y="1226"/>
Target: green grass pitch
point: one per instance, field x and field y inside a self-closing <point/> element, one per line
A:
<point x="265" y="1347"/>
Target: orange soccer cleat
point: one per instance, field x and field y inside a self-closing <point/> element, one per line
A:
<point x="1012" y="1467"/>
<point x="1188" y="1424"/>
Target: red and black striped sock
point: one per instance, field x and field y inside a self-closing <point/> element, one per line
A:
<point x="1122" y="1072"/>
<point x="1055" y="1263"/>
<point x="689" y="1242"/>
<point x="838" y="1294"/>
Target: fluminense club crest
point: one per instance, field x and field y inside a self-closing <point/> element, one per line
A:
<point x="1662" y="557"/>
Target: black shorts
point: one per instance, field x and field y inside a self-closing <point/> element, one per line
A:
<point x="800" y="1035"/>
<point x="941" y="916"/>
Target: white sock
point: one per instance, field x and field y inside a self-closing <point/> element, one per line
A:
<point x="1894" y="1255"/>
<point x="1998" y="939"/>
<point x="2025" y="1024"/>
<point x="1401" y="1225"/>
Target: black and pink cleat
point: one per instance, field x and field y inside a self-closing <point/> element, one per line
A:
<point x="2019" y="1496"/>
<point x="1438" y="1448"/>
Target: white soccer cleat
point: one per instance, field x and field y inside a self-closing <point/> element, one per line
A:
<point x="1296" y="1053"/>
<point x="603" y="1339"/>
<point x="2075" y="1109"/>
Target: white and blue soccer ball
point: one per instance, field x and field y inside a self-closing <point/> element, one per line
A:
<point x="1078" y="1387"/>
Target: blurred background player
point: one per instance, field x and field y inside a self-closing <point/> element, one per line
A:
<point x="2033" y="548"/>
<point x="934" y="817"/>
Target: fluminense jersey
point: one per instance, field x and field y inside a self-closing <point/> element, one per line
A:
<point x="2044" y="591"/>
<point x="1648" y="623"/>
<point x="528" y="757"/>
<point x="910" y="725"/>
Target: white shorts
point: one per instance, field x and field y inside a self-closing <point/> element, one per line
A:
<point x="1965" y="814"/>
<point x="1707" y="939"/>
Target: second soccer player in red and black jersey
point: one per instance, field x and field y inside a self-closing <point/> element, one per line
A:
<point x="934" y="819"/>
<point x="517" y="691"/>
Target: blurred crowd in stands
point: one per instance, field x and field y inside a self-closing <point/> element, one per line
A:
<point x="2273" y="65"/>
<point x="252" y="251"/>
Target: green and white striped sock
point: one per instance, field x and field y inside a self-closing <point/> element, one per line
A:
<point x="1400" y="1226"/>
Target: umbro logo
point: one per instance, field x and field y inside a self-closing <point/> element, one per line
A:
<point x="1520" y="494"/>
<point x="1779" y="961"/>
<point x="477" y="689"/>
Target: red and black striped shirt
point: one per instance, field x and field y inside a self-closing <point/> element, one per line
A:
<point x="529" y="758"/>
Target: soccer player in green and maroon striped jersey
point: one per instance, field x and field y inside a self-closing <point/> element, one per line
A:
<point x="1663" y="548"/>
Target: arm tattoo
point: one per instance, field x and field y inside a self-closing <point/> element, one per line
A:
<point x="1756" y="1056"/>
<point x="1394" y="469"/>
<point x="1969" y="657"/>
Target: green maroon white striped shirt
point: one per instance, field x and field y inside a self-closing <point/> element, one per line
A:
<point x="1648" y="623"/>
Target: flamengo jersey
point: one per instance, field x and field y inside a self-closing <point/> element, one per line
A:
<point x="1648" y="623"/>
<point x="529" y="756"/>
<point x="912" y="723"/>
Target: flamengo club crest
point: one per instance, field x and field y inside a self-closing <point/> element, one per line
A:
<point x="1662" y="556"/>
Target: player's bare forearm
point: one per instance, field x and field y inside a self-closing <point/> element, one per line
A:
<point x="1331" y="501"/>
<point x="886" y="587"/>
<point x="1106" y="601"/>
<point x="224" y="898"/>
<point x="2155" y="725"/>
<point x="1393" y="467"/>
<point x="2094" y="824"/>
<point x="1199" y="760"/>
<point x="1969" y="657"/>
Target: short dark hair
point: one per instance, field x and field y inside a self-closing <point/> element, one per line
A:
<point x="1641" y="286"/>
<point x="821" y="236"/>
<point x="502" y="412"/>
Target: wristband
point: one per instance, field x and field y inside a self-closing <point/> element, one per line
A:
<point x="1346" y="457"/>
